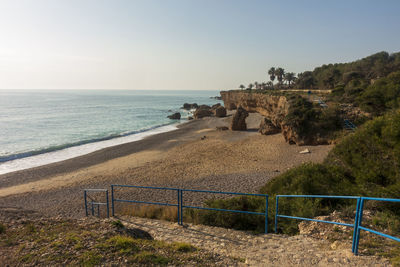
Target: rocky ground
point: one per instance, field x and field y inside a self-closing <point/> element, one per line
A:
<point x="29" y="239"/>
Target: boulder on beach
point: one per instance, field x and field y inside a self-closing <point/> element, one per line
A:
<point x="239" y="120"/>
<point x="175" y="116"/>
<point x="215" y="106"/>
<point x="203" y="111"/>
<point x="220" y="111"/>
<point x="267" y="127"/>
<point x="188" y="106"/>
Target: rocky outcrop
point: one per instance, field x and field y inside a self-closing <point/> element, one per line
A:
<point x="203" y="111"/>
<point x="175" y="116"/>
<point x="267" y="127"/>
<point x="273" y="107"/>
<point x="220" y="112"/>
<point x="239" y="120"/>
<point x="188" y="106"/>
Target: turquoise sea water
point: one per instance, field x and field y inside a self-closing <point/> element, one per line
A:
<point x="42" y="126"/>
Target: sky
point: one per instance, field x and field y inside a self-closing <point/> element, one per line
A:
<point x="183" y="44"/>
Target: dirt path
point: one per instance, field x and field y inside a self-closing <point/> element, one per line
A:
<point x="255" y="250"/>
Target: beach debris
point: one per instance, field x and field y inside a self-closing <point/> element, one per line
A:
<point x="188" y="106"/>
<point x="239" y="120"/>
<point x="220" y="112"/>
<point x="175" y="116"/>
<point x="222" y="128"/>
<point x="305" y="151"/>
<point x="203" y="111"/>
<point x="267" y="127"/>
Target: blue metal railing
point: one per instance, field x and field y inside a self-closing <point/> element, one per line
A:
<point x="93" y="203"/>
<point x="113" y="199"/>
<point x="359" y="221"/>
<point x="348" y="125"/>
<point x="355" y="225"/>
<point x="180" y="205"/>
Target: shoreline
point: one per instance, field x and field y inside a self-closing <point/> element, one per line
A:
<point x="95" y="157"/>
<point x="194" y="156"/>
<point x="74" y="151"/>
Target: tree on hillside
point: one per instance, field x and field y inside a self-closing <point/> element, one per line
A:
<point x="250" y="86"/>
<point x="305" y="80"/>
<point x="242" y="86"/>
<point x="290" y="77"/>
<point x="256" y="85"/>
<point x="271" y="73"/>
<point x="270" y="85"/>
<point x="279" y="72"/>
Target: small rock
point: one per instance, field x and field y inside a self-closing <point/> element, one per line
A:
<point x="175" y="116"/>
<point x="222" y="128"/>
<point x="305" y="151"/>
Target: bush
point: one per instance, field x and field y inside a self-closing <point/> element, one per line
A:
<point x="237" y="221"/>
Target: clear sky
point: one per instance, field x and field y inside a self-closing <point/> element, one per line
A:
<point x="183" y="44"/>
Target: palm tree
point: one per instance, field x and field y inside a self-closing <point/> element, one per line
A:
<point x="271" y="73"/>
<point x="279" y="72"/>
<point x="263" y="85"/>
<point x="270" y="85"/>
<point x="290" y="77"/>
<point x="242" y="86"/>
<point x="250" y="86"/>
<point x="256" y="85"/>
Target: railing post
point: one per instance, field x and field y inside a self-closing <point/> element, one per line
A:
<point x="112" y="200"/>
<point x="181" y="208"/>
<point x="108" y="205"/>
<point x="276" y="214"/>
<point x="85" y="197"/>
<point x="359" y="221"/>
<point x="355" y="227"/>
<point x="266" y="214"/>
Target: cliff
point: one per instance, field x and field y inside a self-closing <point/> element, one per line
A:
<point x="281" y="110"/>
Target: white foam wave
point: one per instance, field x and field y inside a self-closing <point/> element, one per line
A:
<point x="76" y="151"/>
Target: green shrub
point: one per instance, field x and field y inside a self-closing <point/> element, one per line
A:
<point x="2" y="228"/>
<point x="237" y="221"/>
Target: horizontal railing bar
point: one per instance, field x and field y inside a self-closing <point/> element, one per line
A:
<point x="381" y="199"/>
<point x="379" y="233"/>
<point x="319" y="196"/>
<point x="99" y="190"/>
<point x="145" y="187"/>
<point x="315" y="220"/>
<point x="145" y="202"/>
<point x="237" y="211"/>
<point x="229" y="193"/>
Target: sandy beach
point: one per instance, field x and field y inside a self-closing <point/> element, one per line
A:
<point x="196" y="156"/>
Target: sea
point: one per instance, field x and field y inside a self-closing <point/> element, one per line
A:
<point x="39" y="127"/>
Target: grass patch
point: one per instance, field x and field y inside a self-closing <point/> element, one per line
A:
<point x="149" y="258"/>
<point x="117" y="223"/>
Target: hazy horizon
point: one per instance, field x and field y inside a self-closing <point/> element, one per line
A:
<point x="182" y="45"/>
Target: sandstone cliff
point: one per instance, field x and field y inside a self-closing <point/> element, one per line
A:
<point x="275" y="108"/>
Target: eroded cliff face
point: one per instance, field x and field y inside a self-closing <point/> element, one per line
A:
<point x="275" y="108"/>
